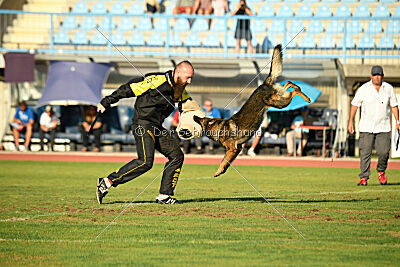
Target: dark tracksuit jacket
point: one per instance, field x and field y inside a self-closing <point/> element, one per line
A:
<point x="154" y="102"/>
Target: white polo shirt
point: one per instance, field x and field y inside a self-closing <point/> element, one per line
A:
<point x="375" y="107"/>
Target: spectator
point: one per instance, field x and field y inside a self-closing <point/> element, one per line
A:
<point x="221" y="6"/>
<point x="175" y="123"/>
<point x="183" y="6"/>
<point x="87" y="120"/>
<point x="48" y="124"/>
<point x="297" y="132"/>
<point x="376" y="98"/>
<point x="203" y="7"/>
<point x="243" y="26"/>
<point x="258" y="135"/>
<point x="23" y="123"/>
<point x="210" y="113"/>
<point x="152" y="6"/>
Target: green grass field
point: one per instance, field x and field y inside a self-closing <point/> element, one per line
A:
<point x="50" y="216"/>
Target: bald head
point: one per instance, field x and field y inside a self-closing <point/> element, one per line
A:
<point x="183" y="72"/>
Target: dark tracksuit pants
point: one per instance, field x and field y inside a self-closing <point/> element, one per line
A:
<point x="148" y="138"/>
<point x="382" y="146"/>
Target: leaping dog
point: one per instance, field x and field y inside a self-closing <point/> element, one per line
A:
<point x="233" y="132"/>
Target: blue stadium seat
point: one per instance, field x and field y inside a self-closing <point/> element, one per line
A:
<point x="326" y="42"/>
<point x="155" y="40"/>
<point x="69" y="23"/>
<point x="231" y="42"/>
<point x="80" y="7"/>
<point x="98" y="39"/>
<point x="211" y="40"/>
<point x="144" y="25"/>
<point x="354" y="27"/>
<point x="161" y="25"/>
<point x="348" y="1"/>
<point x="349" y="42"/>
<point x="366" y="42"/>
<point x="258" y="26"/>
<point x="323" y="11"/>
<point x="80" y="38"/>
<point x="291" y="1"/>
<point x="295" y="26"/>
<point x="200" y="25"/>
<point x="386" y="42"/>
<point x="374" y="27"/>
<point x="396" y="13"/>
<point x="329" y="1"/>
<point x="285" y="11"/>
<point x="192" y="40"/>
<point x="61" y="38"/>
<point x="182" y="25"/>
<point x="276" y="26"/>
<point x="362" y="11"/>
<point x="136" y="39"/>
<point x="175" y="40"/>
<point x="117" y="8"/>
<point x="273" y="1"/>
<point x="304" y="11"/>
<point x="310" y="1"/>
<point x="367" y="1"/>
<point x="393" y="27"/>
<point x="99" y="8"/>
<point x="381" y="11"/>
<point x="126" y="24"/>
<point x="315" y="27"/>
<point x="218" y="25"/>
<point x="388" y="1"/>
<point x="118" y="39"/>
<point x="105" y="23"/>
<point x="308" y="42"/>
<point x="290" y="41"/>
<point x="334" y="27"/>
<point x="343" y="11"/>
<point x="266" y="11"/>
<point x="254" y="1"/>
<point x="88" y="23"/>
<point x="136" y="9"/>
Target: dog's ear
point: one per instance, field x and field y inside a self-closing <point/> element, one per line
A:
<point x="197" y="119"/>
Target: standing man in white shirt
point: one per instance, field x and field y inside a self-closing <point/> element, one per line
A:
<point x="376" y="98"/>
<point x="48" y="124"/>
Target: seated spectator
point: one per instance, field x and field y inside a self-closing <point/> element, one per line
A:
<point x="203" y="7"/>
<point x="23" y="123"/>
<point x="87" y="120"/>
<point x="152" y="6"/>
<point x="297" y="132"/>
<point x="210" y="113"/>
<point x="175" y="123"/>
<point x="221" y="6"/>
<point x="258" y="135"/>
<point x="183" y="6"/>
<point x="48" y="124"/>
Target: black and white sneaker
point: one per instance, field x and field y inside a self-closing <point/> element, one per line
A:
<point x="168" y="200"/>
<point x="102" y="190"/>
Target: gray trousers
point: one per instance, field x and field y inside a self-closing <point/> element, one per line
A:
<point x="382" y="147"/>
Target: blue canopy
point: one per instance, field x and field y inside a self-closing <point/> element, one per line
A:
<point x="298" y="102"/>
<point x="73" y="83"/>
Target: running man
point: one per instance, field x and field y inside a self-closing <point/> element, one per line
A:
<point x="156" y="94"/>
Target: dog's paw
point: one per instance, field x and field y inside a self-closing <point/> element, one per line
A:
<point x="219" y="172"/>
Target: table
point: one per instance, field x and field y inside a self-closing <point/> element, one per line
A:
<point x="314" y="128"/>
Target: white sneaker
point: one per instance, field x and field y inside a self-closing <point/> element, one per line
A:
<point x="251" y="153"/>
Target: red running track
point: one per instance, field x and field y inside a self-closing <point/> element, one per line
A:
<point x="195" y="159"/>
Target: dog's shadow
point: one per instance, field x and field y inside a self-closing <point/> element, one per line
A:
<point x="248" y="199"/>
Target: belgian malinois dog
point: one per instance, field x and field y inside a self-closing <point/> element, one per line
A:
<point x="233" y="132"/>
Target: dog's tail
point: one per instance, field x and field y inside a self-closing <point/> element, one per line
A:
<point x="276" y="65"/>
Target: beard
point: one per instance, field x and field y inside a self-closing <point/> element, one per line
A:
<point x="178" y="89"/>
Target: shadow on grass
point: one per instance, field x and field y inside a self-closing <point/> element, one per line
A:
<point x="388" y="184"/>
<point x="250" y="199"/>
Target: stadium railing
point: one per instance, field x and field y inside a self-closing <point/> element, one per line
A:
<point x="170" y="35"/>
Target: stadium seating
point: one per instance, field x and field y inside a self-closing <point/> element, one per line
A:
<point x="175" y="40"/>
<point x="308" y="42"/>
<point x="88" y="23"/>
<point x="334" y="27"/>
<point x="105" y="23"/>
<point x="258" y="26"/>
<point x="218" y="25"/>
<point x="98" y="39"/>
<point x="182" y="25"/>
<point x="396" y="13"/>
<point x="362" y="11"/>
<point x="136" y="39"/>
<point x="99" y="8"/>
<point x="323" y="11"/>
<point x="155" y="40"/>
<point x="366" y="42"/>
<point x="304" y="11"/>
<point x="61" y="38"/>
<point x="393" y="27"/>
<point x="374" y="27"/>
<point x="315" y="27"/>
<point x="349" y="42"/>
<point x="276" y="26"/>
<point x="386" y="42"/>
<point x="388" y="1"/>
<point x="343" y="11"/>
<point x="69" y="23"/>
<point x="285" y="11"/>
<point x="266" y="11"/>
<point x="144" y="25"/>
<point x="211" y="40"/>
<point x="160" y="25"/>
<point x="80" y="7"/>
<point x="354" y="27"/>
<point x="200" y="25"/>
<point x="381" y="11"/>
<point x="192" y="40"/>
<point x="295" y="26"/>
<point x="326" y="42"/>
<point x="117" y="8"/>
<point x="118" y="38"/>
<point x="80" y="38"/>
<point x="126" y="24"/>
<point x="136" y="9"/>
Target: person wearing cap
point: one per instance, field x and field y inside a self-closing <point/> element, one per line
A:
<point x="48" y="124"/>
<point x="298" y="132"/>
<point x="376" y="98"/>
